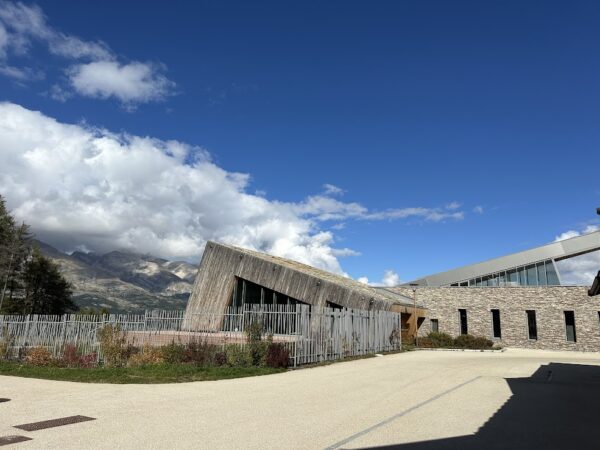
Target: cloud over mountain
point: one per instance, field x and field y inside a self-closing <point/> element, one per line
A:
<point x="83" y="186"/>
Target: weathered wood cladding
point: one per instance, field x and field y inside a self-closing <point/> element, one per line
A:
<point x="221" y="264"/>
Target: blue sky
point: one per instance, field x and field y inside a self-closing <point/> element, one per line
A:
<point x="481" y="115"/>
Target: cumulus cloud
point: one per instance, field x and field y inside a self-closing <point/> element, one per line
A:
<point x="129" y="83"/>
<point x="83" y="186"/>
<point x="390" y="279"/>
<point x="579" y="270"/>
<point x="98" y="75"/>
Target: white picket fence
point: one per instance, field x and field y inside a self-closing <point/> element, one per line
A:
<point x="310" y="334"/>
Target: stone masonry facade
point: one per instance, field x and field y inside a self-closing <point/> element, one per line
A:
<point x="549" y="303"/>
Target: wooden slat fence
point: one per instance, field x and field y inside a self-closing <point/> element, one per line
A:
<point x="311" y="334"/>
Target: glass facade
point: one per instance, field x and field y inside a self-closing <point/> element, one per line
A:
<point x="245" y="292"/>
<point x="542" y="273"/>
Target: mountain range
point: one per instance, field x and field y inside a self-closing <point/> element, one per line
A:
<point x="123" y="281"/>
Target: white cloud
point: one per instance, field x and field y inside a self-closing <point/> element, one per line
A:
<point x="129" y="83"/>
<point x="574" y="233"/>
<point x="28" y="23"/>
<point x="344" y="252"/>
<point x="82" y="186"/>
<point x="330" y="189"/>
<point x="478" y="209"/>
<point x="3" y="41"/>
<point x="100" y="75"/>
<point x="324" y="208"/>
<point x="579" y="270"/>
<point x="390" y="279"/>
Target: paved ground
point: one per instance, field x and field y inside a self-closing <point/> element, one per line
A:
<point x="525" y="399"/>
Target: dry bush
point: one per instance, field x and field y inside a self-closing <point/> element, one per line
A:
<point x="148" y="356"/>
<point x="39" y="356"/>
<point x="114" y="347"/>
<point x="277" y="355"/>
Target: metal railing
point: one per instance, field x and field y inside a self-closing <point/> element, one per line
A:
<point x="310" y="334"/>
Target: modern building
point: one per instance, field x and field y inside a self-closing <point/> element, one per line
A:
<point x="534" y="267"/>
<point x="232" y="276"/>
<point x="515" y="300"/>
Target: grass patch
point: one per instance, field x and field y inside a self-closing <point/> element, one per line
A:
<point x="164" y="373"/>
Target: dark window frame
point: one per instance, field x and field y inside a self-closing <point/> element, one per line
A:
<point x="436" y="328"/>
<point x="569" y="317"/>
<point x="531" y="319"/>
<point x="463" y="321"/>
<point x="496" y="324"/>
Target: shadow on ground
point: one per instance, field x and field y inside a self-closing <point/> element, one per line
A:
<point x="557" y="407"/>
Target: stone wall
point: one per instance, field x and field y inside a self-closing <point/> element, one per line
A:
<point x="548" y="302"/>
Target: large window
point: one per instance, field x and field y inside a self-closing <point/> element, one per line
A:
<point x="248" y="293"/>
<point x="531" y="276"/>
<point x="541" y="272"/>
<point x="531" y="324"/>
<point x="551" y="275"/>
<point x="464" y="329"/>
<point x="496" y="329"/>
<point x="570" y="326"/>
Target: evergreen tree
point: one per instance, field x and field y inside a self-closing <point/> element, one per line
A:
<point x="46" y="290"/>
<point x="29" y="282"/>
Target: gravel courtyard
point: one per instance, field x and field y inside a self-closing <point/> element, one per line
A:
<point x="425" y="399"/>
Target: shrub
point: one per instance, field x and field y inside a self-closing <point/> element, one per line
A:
<point x="256" y="346"/>
<point x="277" y="355"/>
<point x="426" y="342"/>
<point x="70" y="356"/>
<point x="201" y="353"/>
<point x="5" y="344"/>
<point x="173" y="353"/>
<point x="440" y="340"/>
<point x="113" y="344"/>
<point x="148" y="356"/>
<point x="88" y="360"/>
<point x="471" y="342"/>
<point x="238" y="356"/>
<point x="39" y="356"/>
<point x="220" y="358"/>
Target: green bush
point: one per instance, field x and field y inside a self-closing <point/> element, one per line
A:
<point x="173" y="353"/>
<point x="440" y="340"/>
<point x="238" y="356"/>
<point x="472" y="342"/>
<point x="257" y="347"/>
<point x="200" y="353"/>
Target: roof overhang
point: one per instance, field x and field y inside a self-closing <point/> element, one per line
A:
<point x="554" y="251"/>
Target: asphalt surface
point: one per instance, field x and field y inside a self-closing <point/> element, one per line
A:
<point x="514" y="399"/>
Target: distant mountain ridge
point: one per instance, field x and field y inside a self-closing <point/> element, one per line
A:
<point x="124" y="281"/>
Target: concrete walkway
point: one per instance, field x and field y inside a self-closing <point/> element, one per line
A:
<point x="417" y="399"/>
